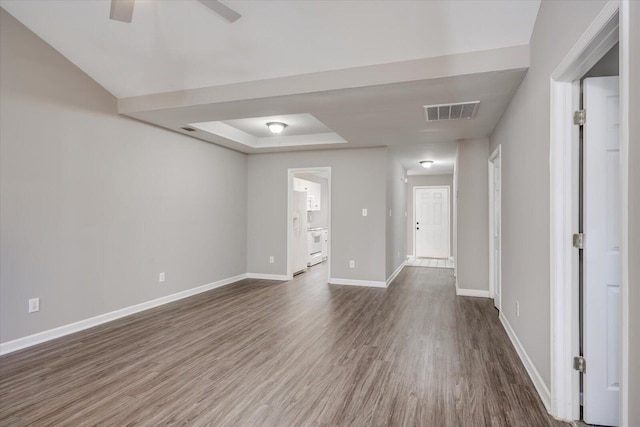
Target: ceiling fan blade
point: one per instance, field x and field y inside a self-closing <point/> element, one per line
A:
<point x="122" y="10"/>
<point x="225" y="11"/>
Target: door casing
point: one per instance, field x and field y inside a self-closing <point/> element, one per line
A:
<point x="497" y="153"/>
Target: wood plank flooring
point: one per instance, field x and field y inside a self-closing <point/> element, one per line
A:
<point x="298" y="353"/>
<point x="431" y="262"/>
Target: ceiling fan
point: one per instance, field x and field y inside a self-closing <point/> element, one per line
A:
<point x="122" y="10"/>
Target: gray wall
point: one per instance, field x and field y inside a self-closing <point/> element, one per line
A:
<point x="396" y="220"/>
<point x="473" y="215"/>
<point x="94" y="205"/>
<point x="426" y="181"/>
<point x="318" y="219"/>
<point x="358" y="180"/>
<point x="523" y="132"/>
<point x="609" y="64"/>
<point x="634" y="217"/>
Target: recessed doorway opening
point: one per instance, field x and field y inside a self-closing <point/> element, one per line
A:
<point x="309" y="219"/>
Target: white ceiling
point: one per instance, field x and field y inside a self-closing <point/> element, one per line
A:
<point x="299" y="58"/>
<point x="389" y="115"/>
<point x="180" y="44"/>
<point x="300" y="130"/>
<point x="297" y="124"/>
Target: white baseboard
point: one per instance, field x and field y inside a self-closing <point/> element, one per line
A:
<point x="410" y="256"/>
<point x="395" y="273"/>
<point x="40" y="337"/>
<point x="471" y="292"/>
<point x="268" y="276"/>
<point x="538" y="383"/>
<point x="352" y="282"/>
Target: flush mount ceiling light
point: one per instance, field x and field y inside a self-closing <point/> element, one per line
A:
<point x="276" y="127"/>
<point x="426" y="163"/>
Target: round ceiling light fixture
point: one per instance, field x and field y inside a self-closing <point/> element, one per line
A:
<point x="276" y="127"/>
<point x="426" y="163"/>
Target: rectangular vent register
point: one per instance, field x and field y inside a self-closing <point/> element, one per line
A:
<point x="460" y="110"/>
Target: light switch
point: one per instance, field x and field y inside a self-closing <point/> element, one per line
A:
<point x="364" y="212"/>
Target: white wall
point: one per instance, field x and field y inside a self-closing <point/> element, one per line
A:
<point x="358" y="180"/>
<point x="473" y="215"/>
<point x="95" y="205"/>
<point x="427" y="181"/>
<point x="523" y="132"/>
<point x="396" y="238"/>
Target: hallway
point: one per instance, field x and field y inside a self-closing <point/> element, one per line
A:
<point x="284" y="353"/>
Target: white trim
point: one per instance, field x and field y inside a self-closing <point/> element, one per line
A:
<point x="454" y="195"/>
<point x="598" y="38"/>
<point x="471" y="292"/>
<point x="395" y="274"/>
<point x="537" y="380"/>
<point x="262" y="276"/>
<point x="40" y="337"/>
<point x="625" y="76"/>
<point x="497" y="153"/>
<point x="419" y="187"/>
<point x="355" y="282"/>
<point x="290" y="173"/>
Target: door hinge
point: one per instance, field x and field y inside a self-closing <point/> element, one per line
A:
<point x="578" y="240"/>
<point x="580" y="117"/>
<point x="580" y="364"/>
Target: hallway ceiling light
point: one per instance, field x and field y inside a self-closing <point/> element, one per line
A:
<point x="426" y="163"/>
<point x="276" y="127"/>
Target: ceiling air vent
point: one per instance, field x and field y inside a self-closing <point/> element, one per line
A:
<point x="460" y="110"/>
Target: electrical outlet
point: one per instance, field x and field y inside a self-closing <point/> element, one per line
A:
<point x="352" y="264"/>
<point x="34" y="305"/>
<point x="271" y="260"/>
<point x="161" y="277"/>
<point x="517" y="309"/>
<point x="364" y="212"/>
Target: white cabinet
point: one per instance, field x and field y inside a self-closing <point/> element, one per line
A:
<point x="314" y="192"/>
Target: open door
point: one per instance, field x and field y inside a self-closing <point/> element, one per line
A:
<point x="601" y="252"/>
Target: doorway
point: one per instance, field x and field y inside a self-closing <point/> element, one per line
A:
<point x="308" y="219"/>
<point x="577" y="323"/>
<point x="432" y="228"/>
<point x="495" y="226"/>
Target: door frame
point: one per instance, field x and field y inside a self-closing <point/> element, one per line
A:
<point x="426" y="187"/>
<point x="610" y="26"/>
<point x="492" y="273"/>
<point x="290" y="173"/>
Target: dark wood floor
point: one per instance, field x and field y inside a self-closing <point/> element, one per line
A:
<point x="270" y="353"/>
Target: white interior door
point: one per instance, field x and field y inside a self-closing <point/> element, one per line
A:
<point x="496" y="229"/>
<point x="432" y="231"/>
<point x="601" y="254"/>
